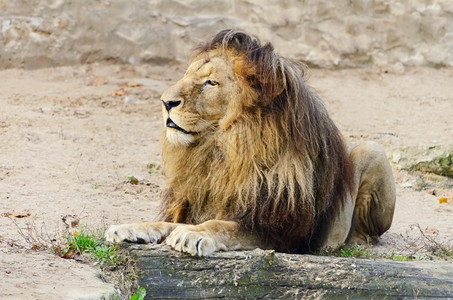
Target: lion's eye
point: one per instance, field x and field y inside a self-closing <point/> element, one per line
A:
<point x="211" y="82"/>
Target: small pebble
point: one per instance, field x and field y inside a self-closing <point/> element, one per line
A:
<point x="131" y="100"/>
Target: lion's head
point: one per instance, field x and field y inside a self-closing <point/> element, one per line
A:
<point x="247" y="140"/>
<point x="196" y="104"/>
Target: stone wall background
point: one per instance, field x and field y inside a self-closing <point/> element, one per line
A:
<point x="328" y="34"/>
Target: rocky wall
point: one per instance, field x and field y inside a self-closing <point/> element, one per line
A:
<point x="329" y="34"/>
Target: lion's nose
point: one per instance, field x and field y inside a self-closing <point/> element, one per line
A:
<point x="170" y="104"/>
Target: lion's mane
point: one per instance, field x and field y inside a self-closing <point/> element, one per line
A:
<point x="279" y="166"/>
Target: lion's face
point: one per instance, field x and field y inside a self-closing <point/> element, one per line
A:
<point x="197" y="103"/>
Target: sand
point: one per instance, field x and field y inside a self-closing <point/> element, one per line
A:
<point x="70" y="137"/>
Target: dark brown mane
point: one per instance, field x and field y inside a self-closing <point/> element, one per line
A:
<point x="293" y="185"/>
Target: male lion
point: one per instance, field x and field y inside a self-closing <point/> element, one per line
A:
<point x="253" y="160"/>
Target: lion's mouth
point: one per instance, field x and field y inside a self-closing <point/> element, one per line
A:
<point x="173" y="125"/>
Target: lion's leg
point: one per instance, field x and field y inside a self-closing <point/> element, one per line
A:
<point x="340" y="225"/>
<point x="140" y="232"/>
<point x="375" y="200"/>
<point x="211" y="236"/>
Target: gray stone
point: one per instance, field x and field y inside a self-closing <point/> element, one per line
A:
<point x="104" y="292"/>
<point x="435" y="159"/>
<point x="324" y="33"/>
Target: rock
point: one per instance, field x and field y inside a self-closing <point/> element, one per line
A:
<point x="435" y="159"/>
<point x="128" y="99"/>
<point x="104" y="292"/>
<point x="345" y="34"/>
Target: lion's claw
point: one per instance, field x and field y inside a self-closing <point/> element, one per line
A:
<point x="192" y="242"/>
<point x="133" y="233"/>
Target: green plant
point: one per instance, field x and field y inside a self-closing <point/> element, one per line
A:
<point x="106" y="254"/>
<point x="396" y="257"/>
<point x="131" y="179"/>
<point x="357" y="251"/>
<point x="403" y="258"/>
<point x="444" y="253"/>
<point x="83" y="242"/>
<point x="153" y="168"/>
<point x="140" y="295"/>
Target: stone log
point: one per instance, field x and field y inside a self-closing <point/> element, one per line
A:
<point x="167" y="274"/>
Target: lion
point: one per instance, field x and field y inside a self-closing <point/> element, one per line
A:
<point x="253" y="160"/>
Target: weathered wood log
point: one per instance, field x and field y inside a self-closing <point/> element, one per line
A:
<point x="167" y="274"/>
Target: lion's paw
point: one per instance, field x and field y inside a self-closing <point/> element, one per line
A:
<point x="133" y="233"/>
<point x="195" y="243"/>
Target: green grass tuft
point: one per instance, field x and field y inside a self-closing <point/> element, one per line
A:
<point x="444" y="253"/>
<point x="131" y="180"/>
<point x="153" y="168"/>
<point x="397" y="257"/>
<point x="140" y="295"/>
<point x="84" y="242"/>
<point x="356" y="251"/>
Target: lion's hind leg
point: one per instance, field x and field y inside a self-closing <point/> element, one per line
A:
<point x="375" y="200"/>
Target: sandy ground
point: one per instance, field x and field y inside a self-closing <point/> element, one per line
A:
<point x="70" y="136"/>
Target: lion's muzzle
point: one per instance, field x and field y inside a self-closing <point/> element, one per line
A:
<point x="171" y="124"/>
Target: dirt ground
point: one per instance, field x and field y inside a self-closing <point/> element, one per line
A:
<point x="70" y="136"/>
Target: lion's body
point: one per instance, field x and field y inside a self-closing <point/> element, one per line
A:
<point x="253" y="159"/>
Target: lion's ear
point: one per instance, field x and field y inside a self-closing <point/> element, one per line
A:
<point x="257" y="90"/>
<point x="269" y="90"/>
<point x="254" y="82"/>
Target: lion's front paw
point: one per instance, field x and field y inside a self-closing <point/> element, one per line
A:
<point x="190" y="241"/>
<point x="133" y="233"/>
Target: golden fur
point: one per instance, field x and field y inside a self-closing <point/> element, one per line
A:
<point x="274" y="159"/>
<point x="248" y="143"/>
